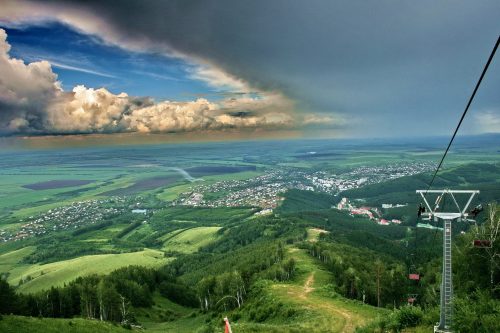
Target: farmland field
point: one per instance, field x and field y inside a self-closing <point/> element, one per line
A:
<point x="56" y="184"/>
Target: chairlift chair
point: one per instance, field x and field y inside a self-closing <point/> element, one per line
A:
<point x="413" y="274"/>
<point x="482" y="240"/>
<point x="481" y="243"/>
<point x="428" y="217"/>
<point x="412" y="298"/>
<point x="421" y="210"/>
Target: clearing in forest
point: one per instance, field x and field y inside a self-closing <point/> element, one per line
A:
<point x="311" y="292"/>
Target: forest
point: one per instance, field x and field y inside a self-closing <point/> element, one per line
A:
<point x="205" y="263"/>
<point x="367" y="263"/>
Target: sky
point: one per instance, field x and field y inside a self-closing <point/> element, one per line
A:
<point x="224" y="68"/>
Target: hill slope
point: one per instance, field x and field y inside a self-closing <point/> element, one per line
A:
<point x="18" y="324"/>
<point x="57" y="273"/>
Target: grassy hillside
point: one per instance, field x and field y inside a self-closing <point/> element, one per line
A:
<point x="18" y="324"/>
<point x="57" y="273"/>
<point x="10" y="260"/>
<point x="166" y="316"/>
<point x="306" y="304"/>
<point x="190" y="240"/>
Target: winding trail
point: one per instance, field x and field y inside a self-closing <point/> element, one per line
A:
<point x="308" y="285"/>
<point x="310" y="293"/>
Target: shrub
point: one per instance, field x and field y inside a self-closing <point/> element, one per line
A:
<point x="409" y="316"/>
<point x="204" y="329"/>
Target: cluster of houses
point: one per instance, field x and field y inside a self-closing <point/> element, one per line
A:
<point x="262" y="191"/>
<point x="72" y="216"/>
<point x="371" y="213"/>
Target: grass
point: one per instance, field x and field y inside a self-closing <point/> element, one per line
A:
<point x="319" y="308"/>
<point x="37" y="207"/>
<point x="57" y="273"/>
<point x="19" y="324"/>
<point x="313" y="234"/>
<point x="203" y="215"/>
<point x="10" y="260"/>
<point x="24" y="202"/>
<point x="166" y="316"/>
<point x="182" y="325"/>
<point x="418" y="329"/>
<point x="311" y="291"/>
<point x="232" y="176"/>
<point x="190" y="240"/>
<point x="171" y="193"/>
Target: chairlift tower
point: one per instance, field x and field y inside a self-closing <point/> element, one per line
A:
<point x="446" y="307"/>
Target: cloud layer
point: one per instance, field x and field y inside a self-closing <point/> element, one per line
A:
<point x="33" y="102"/>
<point x="25" y="90"/>
<point x="383" y="62"/>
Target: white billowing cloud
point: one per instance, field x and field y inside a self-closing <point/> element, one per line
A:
<point x="170" y="117"/>
<point x="89" y="110"/>
<point x="488" y="121"/>
<point x="25" y="90"/>
<point x="313" y="119"/>
<point x="32" y="101"/>
<point x="86" y="110"/>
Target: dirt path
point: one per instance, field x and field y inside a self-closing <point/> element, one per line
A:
<point x="309" y="282"/>
<point x="308" y="288"/>
<point x="348" y="324"/>
<point x="332" y="314"/>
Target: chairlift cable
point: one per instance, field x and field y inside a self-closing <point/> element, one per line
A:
<point x="471" y="98"/>
<point x="485" y="69"/>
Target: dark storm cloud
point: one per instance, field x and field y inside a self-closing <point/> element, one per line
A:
<point x="411" y="63"/>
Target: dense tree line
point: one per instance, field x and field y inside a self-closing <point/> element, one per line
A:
<point x="111" y="297"/>
<point x="362" y="274"/>
<point x="299" y="200"/>
<point x="222" y="279"/>
<point x="476" y="274"/>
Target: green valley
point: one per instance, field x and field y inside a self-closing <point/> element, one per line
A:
<point x="293" y="243"/>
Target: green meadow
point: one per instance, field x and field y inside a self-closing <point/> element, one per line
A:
<point x="302" y="267"/>
<point x="43" y="276"/>
<point x="18" y="324"/>
<point x="190" y="240"/>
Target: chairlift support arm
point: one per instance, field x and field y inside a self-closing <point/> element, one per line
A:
<point x="446" y="292"/>
<point x="472" y="193"/>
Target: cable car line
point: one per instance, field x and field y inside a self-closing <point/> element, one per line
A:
<point x="485" y="69"/>
<point x="440" y="212"/>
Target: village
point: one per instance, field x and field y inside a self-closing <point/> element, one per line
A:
<point x="266" y="191"/>
<point x="372" y="213"/>
<point x="72" y="216"/>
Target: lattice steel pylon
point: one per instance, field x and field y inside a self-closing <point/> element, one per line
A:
<point x="446" y="315"/>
